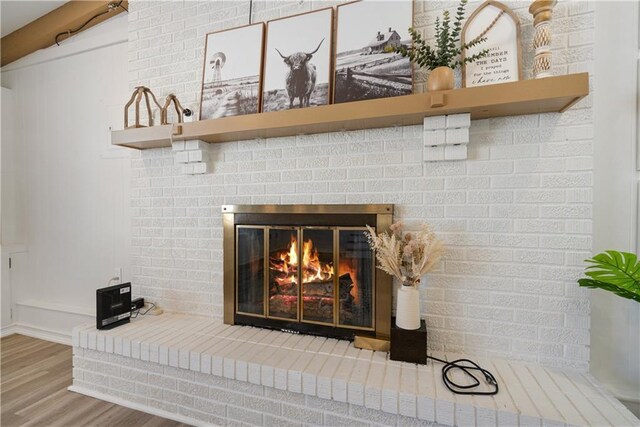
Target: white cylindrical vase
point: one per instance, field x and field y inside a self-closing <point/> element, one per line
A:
<point x="408" y="308"/>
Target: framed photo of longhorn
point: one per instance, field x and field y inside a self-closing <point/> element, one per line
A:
<point x="367" y="66"/>
<point x="297" y="66"/>
<point x="231" y="76"/>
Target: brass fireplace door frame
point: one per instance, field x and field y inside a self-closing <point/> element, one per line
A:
<point x="383" y="282"/>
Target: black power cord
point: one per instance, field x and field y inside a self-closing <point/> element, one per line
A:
<point x="467" y="366"/>
<point x="110" y="7"/>
<point x="135" y="313"/>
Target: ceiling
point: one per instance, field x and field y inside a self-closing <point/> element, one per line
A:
<point x="15" y="14"/>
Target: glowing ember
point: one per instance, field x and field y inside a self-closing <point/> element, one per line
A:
<point x="350" y="267"/>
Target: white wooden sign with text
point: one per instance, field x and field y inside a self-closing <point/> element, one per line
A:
<point x="503" y="63"/>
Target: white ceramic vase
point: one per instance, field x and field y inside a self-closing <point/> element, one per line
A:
<point x="408" y="308"/>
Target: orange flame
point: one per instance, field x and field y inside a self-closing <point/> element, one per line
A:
<point x="350" y="266"/>
<point x="313" y="270"/>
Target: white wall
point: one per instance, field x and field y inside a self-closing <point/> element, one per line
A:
<point x="8" y="202"/>
<point x="68" y="188"/>
<point x="615" y="322"/>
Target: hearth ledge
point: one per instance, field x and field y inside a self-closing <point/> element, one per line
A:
<point x="198" y="370"/>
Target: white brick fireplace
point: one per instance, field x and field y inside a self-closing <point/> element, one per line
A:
<point x="516" y="216"/>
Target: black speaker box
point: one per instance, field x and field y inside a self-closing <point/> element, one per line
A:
<point x="113" y="306"/>
<point x="409" y="346"/>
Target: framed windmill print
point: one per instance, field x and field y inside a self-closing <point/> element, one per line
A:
<point x="231" y="79"/>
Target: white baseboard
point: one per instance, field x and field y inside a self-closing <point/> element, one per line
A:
<point x="7" y="330"/>
<point x="37" y="332"/>
<point x="48" y="321"/>
<point x="59" y="308"/>
<point x="138" y="407"/>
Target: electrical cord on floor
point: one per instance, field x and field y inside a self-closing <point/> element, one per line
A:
<point x="467" y="366"/>
<point x="137" y="312"/>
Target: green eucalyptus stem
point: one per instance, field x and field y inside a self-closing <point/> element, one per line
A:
<point x="447" y="50"/>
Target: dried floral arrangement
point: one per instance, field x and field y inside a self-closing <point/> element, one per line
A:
<point x="405" y="255"/>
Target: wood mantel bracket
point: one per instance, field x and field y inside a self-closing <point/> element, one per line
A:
<point x="437" y="100"/>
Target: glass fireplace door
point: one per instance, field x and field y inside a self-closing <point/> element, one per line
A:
<point x="356" y="280"/>
<point x="284" y="255"/>
<point x="316" y="275"/>
<point x="318" y="288"/>
<point x="250" y="256"/>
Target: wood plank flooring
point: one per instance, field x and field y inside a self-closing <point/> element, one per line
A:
<point x="34" y="376"/>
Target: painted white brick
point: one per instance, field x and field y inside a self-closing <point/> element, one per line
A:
<point x="195" y="144"/>
<point x="200" y="168"/>
<point x="458" y="120"/>
<point x="433" y="138"/>
<point x="196" y="156"/>
<point x="188" y="169"/>
<point x="433" y="154"/>
<point x="457" y="136"/>
<point x="435" y="122"/>
<point x="399" y="388"/>
<point x="516" y="182"/>
<point x="455" y="152"/>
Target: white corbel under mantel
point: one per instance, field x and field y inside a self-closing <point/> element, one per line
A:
<point x="446" y="137"/>
<point x="193" y="156"/>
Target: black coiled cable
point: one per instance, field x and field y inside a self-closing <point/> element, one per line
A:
<point x="467" y="366"/>
<point x="110" y="7"/>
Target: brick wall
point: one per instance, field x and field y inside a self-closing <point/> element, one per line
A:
<point x="516" y="216"/>
<point x="216" y="400"/>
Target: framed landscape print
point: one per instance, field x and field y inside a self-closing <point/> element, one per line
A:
<point x="366" y="65"/>
<point x="501" y="27"/>
<point x="232" y="72"/>
<point x="297" y="66"/>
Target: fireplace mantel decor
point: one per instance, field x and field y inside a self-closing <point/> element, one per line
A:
<point x="306" y="269"/>
<point x="552" y="94"/>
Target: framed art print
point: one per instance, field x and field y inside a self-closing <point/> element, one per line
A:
<point x="501" y="27"/>
<point x="297" y="66"/>
<point x="367" y="66"/>
<point x="231" y="79"/>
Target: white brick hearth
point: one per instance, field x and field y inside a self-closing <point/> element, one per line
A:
<point x="198" y="370"/>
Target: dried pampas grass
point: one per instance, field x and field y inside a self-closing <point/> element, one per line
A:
<point x="406" y="256"/>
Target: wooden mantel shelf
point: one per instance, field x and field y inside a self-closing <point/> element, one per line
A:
<point x="551" y="94"/>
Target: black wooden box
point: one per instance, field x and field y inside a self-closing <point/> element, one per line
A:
<point x="409" y="346"/>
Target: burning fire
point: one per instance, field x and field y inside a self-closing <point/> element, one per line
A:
<point x="350" y="267"/>
<point x="313" y="270"/>
<point x="285" y="264"/>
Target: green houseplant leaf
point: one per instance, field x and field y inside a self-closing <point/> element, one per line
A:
<point x="613" y="271"/>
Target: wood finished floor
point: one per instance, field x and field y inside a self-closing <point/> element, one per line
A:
<point x="34" y="376"/>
